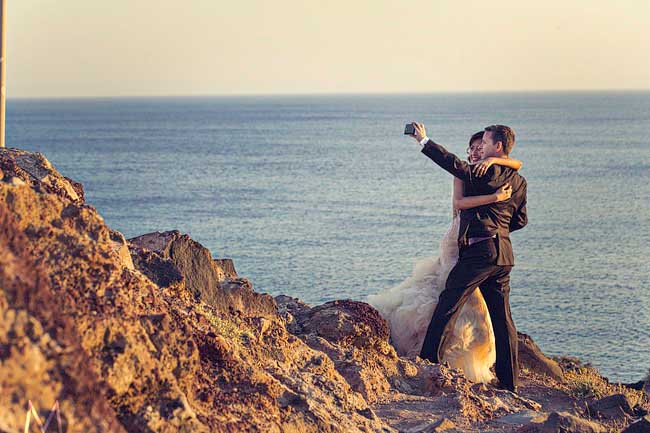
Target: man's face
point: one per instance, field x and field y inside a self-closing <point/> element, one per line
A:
<point x="488" y="146"/>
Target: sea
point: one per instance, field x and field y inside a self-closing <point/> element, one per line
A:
<point x="322" y="197"/>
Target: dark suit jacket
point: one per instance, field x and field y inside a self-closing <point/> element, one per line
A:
<point x="499" y="218"/>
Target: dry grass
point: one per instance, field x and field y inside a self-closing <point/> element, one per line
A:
<point x="584" y="382"/>
<point x="223" y="327"/>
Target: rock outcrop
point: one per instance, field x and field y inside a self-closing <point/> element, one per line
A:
<point x="153" y="334"/>
<point x="641" y="425"/>
<point x="532" y="358"/>
<point x="561" y="422"/>
<point x="136" y="356"/>
<point x="170" y="257"/>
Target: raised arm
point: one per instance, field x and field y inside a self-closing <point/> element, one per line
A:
<point x="462" y="202"/>
<point x="448" y="161"/>
<point x="482" y="166"/>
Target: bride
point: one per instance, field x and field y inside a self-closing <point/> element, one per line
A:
<point x="408" y="307"/>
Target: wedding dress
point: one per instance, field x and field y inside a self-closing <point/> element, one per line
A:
<point x="408" y="308"/>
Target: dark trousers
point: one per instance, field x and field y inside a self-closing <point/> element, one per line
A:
<point x="476" y="266"/>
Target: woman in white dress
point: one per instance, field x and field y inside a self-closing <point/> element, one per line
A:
<point x="408" y="307"/>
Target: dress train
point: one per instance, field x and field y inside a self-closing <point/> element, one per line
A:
<point x="408" y="308"/>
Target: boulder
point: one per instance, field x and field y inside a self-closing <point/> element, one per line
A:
<point x="532" y="358"/>
<point x="641" y="425"/>
<point x="355" y="337"/>
<point x="561" y="422"/>
<point x="639" y="386"/>
<point x="611" y="407"/>
<point x="293" y="311"/>
<point x="346" y="323"/>
<point x="168" y="258"/>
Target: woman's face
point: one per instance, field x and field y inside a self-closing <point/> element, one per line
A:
<point x="474" y="151"/>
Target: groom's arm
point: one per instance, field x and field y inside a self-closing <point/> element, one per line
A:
<point x="440" y="156"/>
<point x="446" y="160"/>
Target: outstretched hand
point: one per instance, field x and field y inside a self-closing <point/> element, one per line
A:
<point x="420" y="131"/>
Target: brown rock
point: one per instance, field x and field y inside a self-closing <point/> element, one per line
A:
<point x="40" y="350"/>
<point x="227" y="267"/>
<point x="561" y="422"/>
<point x="346" y="323"/>
<point x="355" y="337"/>
<point x="443" y="425"/>
<point x="531" y="357"/>
<point x="16" y="181"/>
<point x="159" y="270"/>
<point x="611" y="407"/>
<point x="118" y="351"/>
<point x="78" y="188"/>
<point x="641" y="425"/>
<point x="636" y="385"/>
<point x="32" y="168"/>
<point x="212" y="281"/>
<point x="121" y="248"/>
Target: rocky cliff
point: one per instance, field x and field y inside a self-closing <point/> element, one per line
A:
<point x="152" y="334"/>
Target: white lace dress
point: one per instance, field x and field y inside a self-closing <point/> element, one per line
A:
<point x="408" y="308"/>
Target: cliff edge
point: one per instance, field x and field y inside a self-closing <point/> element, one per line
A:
<point x="153" y="334"/>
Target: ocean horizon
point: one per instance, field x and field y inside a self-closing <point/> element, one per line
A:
<point x="327" y="94"/>
<point x="321" y="196"/>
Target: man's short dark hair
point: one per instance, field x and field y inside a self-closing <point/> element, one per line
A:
<point x="504" y="134"/>
<point x="476" y="136"/>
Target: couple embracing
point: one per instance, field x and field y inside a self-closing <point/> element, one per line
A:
<point x="455" y="308"/>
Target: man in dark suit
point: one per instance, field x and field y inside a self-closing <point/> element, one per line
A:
<point x="485" y="252"/>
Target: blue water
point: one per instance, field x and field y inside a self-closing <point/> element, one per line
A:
<point x="321" y="197"/>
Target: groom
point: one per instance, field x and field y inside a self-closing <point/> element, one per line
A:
<point x="485" y="252"/>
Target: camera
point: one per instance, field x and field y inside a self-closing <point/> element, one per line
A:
<point x="409" y="129"/>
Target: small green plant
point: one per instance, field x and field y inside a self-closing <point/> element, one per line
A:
<point x="586" y="382"/>
<point x="583" y="382"/>
<point x="584" y="389"/>
<point x="224" y="327"/>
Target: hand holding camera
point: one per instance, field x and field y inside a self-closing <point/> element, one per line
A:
<point x="415" y="130"/>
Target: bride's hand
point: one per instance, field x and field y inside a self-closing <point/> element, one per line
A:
<point x="504" y="193"/>
<point x="482" y="166"/>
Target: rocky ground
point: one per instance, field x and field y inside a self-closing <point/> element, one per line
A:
<point x="152" y="334"/>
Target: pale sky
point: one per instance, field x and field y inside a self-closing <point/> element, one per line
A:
<point x="212" y="47"/>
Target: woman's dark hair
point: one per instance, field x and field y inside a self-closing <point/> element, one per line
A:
<point x="475" y="136"/>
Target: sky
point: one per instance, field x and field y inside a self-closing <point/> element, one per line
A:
<point x="78" y="48"/>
